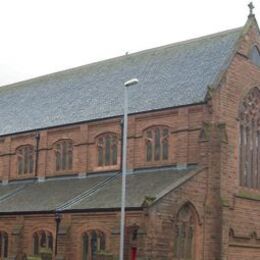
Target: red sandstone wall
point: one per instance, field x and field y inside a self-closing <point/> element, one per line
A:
<point x="240" y="214"/>
<point x="72" y="228"/>
<point x="184" y="125"/>
<point x="161" y="221"/>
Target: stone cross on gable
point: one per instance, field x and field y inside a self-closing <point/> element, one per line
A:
<point x="251" y="8"/>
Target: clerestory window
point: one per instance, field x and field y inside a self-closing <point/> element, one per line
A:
<point x="157" y="143"/>
<point x="107" y="145"/>
<point x="63" y="152"/>
<point x="25" y="159"/>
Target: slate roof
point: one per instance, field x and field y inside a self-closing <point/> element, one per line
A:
<point x="169" y="76"/>
<point x="93" y="192"/>
<point x="46" y="196"/>
<point x="139" y="185"/>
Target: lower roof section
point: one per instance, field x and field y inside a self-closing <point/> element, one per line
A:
<point x="99" y="191"/>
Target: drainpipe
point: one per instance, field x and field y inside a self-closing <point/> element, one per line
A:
<point x="122" y="135"/>
<point x="37" y="139"/>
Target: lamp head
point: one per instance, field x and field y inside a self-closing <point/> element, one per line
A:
<point x="131" y="82"/>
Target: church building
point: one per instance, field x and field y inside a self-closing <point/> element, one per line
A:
<point x="193" y="168"/>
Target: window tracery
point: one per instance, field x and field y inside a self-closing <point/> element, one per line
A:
<point x="157" y="143"/>
<point x="249" y="117"/>
<point x="64" y="153"/>
<point x="107" y="150"/>
<point x="25" y="159"/>
<point x="93" y="242"/>
<point x="42" y="240"/>
<point x="185" y="234"/>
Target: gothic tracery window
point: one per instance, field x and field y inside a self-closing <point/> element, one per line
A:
<point x="255" y="55"/>
<point x="185" y="234"/>
<point x="249" y="117"/>
<point x="157" y="143"/>
<point x="3" y="245"/>
<point x="42" y="240"/>
<point x="93" y="242"/>
<point x="25" y="159"/>
<point x="107" y="150"/>
<point x="63" y="151"/>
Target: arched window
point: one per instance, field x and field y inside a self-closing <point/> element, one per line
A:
<point x="255" y="55"/>
<point x="107" y="149"/>
<point x="249" y="117"/>
<point x="157" y="143"/>
<point x="3" y="245"/>
<point x="42" y="241"/>
<point x="93" y="242"/>
<point x="25" y="159"/>
<point x="63" y="151"/>
<point x="185" y="234"/>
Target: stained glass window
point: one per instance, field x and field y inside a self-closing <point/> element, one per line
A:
<point x="63" y="152"/>
<point x="249" y="116"/>
<point x="107" y="150"/>
<point x="25" y="157"/>
<point x="93" y="242"/>
<point x="157" y="144"/>
<point x="42" y="240"/>
<point x="3" y="245"/>
<point x="184" y="239"/>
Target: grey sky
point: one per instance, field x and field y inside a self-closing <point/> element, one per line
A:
<point x="43" y="36"/>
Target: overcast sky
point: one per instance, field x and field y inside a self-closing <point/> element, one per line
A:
<point x="43" y="36"/>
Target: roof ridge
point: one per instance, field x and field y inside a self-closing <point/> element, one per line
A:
<point x="175" y="44"/>
<point x="189" y="41"/>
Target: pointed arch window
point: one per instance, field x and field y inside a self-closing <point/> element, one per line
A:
<point x="64" y="153"/>
<point x="25" y="159"/>
<point x="157" y="143"/>
<point x="255" y="55"/>
<point x="93" y="242"/>
<point x="249" y="117"/>
<point x="42" y="241"/>
<point x="3" y="245"/>
<point x="107" y="146"/>
<point x="185" y="234"/>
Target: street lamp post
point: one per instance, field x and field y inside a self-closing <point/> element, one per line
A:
<point x="57" y="220"/>
<point x="124" y="166"/>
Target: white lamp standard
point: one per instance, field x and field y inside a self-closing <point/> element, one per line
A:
<point x="124" y="166"/>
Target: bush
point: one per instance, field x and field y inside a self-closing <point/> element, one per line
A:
<point x="34" y="258"/>
<point x="103" y="255"/>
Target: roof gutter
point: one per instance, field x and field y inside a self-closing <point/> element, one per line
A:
<point x="70" y="211"/>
